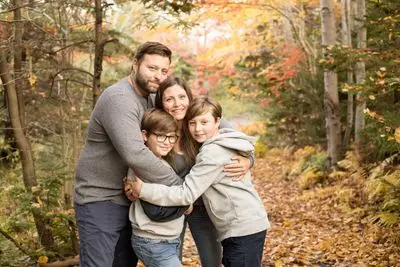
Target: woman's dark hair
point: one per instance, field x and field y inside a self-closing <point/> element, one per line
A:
<point x="167" y="83"/>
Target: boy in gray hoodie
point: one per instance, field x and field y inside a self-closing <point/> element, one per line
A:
<point x="234" y="207"/>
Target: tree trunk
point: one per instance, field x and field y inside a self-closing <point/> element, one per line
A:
<point x="331" y="96"/>
<point x="6" y="152"/>
<point x="10" y="146"/>
<point x="99" y="51"/>
<point x="360" y="72"/>
<point x="347" y="26"/>
<point x="18" y="70"/>
<point x="24" y="148"/>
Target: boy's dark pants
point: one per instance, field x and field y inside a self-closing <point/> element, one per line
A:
<point x="243" y="251"/>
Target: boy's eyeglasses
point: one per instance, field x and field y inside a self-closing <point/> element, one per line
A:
<point x="162" y="137"/>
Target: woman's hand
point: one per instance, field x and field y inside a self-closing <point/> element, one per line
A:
<point x="239" y="168"/>
<point x="132" y="188"/>
<point x="189" y="210"/>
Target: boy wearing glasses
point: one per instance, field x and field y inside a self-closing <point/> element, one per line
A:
<point x="157" y="243"/>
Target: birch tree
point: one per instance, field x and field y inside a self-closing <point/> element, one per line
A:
<point x="331" y="95"/>
<point x="360" y="70"/>
<point x="347" y="26"/>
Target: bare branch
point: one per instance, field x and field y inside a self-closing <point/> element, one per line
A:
<point x="15" y="242"/>
<point x="65" y="263"/>
<point x="73" y="44"/>
<point x="114" y="40"/>
<point x="12" y="21"/>
<point x="15" y="8"/>
<point x="67" y="69"/>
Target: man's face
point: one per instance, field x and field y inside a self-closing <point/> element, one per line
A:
<point x="150" y="72"/>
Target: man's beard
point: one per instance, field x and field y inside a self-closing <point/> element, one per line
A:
<point x="142" y="84"/>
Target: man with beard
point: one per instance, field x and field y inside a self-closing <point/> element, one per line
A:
<point x="113" y="145"/>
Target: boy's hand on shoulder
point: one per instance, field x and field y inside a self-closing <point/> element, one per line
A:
<point x="239" y="167"/>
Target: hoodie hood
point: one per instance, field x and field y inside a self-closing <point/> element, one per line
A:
<point x="233" y="139"/>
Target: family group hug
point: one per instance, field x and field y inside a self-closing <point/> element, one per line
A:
<point x="156" y="160"/>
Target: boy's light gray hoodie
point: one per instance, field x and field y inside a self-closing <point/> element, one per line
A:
<point x="233" y="206"/>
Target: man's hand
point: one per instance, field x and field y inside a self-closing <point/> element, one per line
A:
<point x="237" y="169"/>
<point x="132" y="188"/>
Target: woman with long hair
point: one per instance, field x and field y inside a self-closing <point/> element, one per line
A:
<point x="174" y="97"/>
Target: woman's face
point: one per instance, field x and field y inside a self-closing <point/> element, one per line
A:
<point x="175" y="101"/>
<point x="203" y="127"/>
<point x="159" y="143"/>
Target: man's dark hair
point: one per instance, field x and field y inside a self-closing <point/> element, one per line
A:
<point x="152" y="48"/>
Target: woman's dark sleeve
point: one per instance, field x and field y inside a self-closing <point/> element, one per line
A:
<point x="162" y="214"/>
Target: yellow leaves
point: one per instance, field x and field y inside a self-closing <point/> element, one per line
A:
<point x="253" y="128"/>
<point x="305" y="152"/>
<point x="309" y="177"/>
<point x="234" y="90"/>
<point x="38" y="204"/>
<point x="337" y="175"/>
<point x="35" y="205"/>
<point x="43" y="259"/>
<point x="328" y="61"/>
<point x="380" y="73"/>
<point x="83" y="27"/>
<point x="351" y="88"/>
<point x="397" y="135"/>
<point x="374" y="115"/>
<point x="260" y="149"/>
<point x="32" y="79"/>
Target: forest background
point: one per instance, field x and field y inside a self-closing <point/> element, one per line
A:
<point x="316" y="81"/>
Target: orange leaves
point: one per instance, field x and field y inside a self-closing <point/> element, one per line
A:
<point x="280" y="73"/>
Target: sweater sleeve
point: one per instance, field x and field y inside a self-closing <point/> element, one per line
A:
<point x="203" y="174"/>
<point x="159" y="213"/>
<point x="162" y="214"/>
<point x="121" y="119"/>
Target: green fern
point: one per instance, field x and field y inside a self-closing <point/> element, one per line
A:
<point x="385" y="219"/>
<point x="384" y="192"/>
<point x="391" y="205"/>
<point x="350" y="162"/>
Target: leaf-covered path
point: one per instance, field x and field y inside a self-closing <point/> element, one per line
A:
<point x="312" y="227"/>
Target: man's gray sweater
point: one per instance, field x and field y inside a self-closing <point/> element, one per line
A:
<point x="113" y="145"/>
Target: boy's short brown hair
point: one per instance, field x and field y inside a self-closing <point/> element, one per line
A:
<point x="159" y="121"/>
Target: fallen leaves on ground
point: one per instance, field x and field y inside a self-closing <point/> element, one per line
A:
<point x="313" y="228"/>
